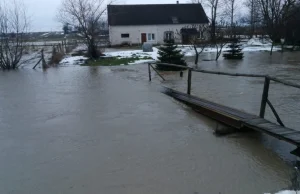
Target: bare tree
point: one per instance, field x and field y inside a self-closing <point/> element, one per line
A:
<point x="293" y="28"/>
<point x="221" y="38"/>
<point x="198" y="42"/>
<point x="196" y="1"/>
<point x="213" y="5"/>
<point x="231" y="10"/>
<point x="276" y="13"/>
<point x="254" y="16"/>
<point x="85" y="14"/>
<point x="13" y="28"/>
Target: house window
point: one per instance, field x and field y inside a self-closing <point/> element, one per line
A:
<point x="175" y="20"/>
<point x="124" y="35"/>
<point x="169" y="35"/>
<point x="151" y="36"/>
<point x="200" y="35"/>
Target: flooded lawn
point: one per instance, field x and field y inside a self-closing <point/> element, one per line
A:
<point x="108" y="130"/>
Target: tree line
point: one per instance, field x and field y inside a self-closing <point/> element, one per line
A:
<point x="277" y="19"/>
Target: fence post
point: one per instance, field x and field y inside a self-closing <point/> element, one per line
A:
<point x="264" y="97"/>
<point x="44" y="64"/>
<point x="149" y="70"/>
<point x="189" y="81"/>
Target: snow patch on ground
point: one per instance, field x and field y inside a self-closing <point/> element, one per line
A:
<point x="252" y="45"/>
<point x="259" y="42"/>
<point x="142" y="61"/>
<point x="133" y="53"/>
<point x="74" y="60"/>
<point x="288" y="192"/>
<point x="189" y="51"/>
<point x="257" y="49"/>
<point x="81" y="47"/>
<point x="45" y="34"/>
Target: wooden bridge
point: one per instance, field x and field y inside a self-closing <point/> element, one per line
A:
<point x="232" y="117"/>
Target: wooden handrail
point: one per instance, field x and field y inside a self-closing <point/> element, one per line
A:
<point x="287" y="83"/>
<point x="171" y="65"/>
<point x="232" y="74"/>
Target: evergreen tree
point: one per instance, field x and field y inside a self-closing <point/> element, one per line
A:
<point x="168" y="53"/>
<point x="66" y="28"/>
<point x="235" y="51"/>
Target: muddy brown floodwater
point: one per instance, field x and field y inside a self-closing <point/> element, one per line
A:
<point x="108" y="130"/>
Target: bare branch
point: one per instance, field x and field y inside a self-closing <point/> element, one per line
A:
<point x="13" y="26"/>
<point x="86" y="16"/>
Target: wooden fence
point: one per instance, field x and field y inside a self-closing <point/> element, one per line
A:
<point x="265" y="100"/>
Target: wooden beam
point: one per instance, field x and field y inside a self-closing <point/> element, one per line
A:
<point x="275" y="113"/>
<point x="189" y="82"/>
<point x="287" y="83"/>
<point x="264" y="98"/>
<point x="149" y="71"/>
<point x="172" y="65"/>
<point x="157" y="73"/>
<point x="230" y="74"/>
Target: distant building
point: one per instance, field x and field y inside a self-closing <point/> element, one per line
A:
<point x="136" y="24"/>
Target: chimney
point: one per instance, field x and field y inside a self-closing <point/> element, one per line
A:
<point x="177" y="2"/>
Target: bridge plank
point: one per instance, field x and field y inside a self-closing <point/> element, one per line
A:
<point x="201" y="102"/>
<point x="289" y="133"/>
<point x="257" y="121"/>
<point x="237" y="118"/>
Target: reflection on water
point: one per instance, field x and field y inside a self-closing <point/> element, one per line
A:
<point x="91" y="129"/>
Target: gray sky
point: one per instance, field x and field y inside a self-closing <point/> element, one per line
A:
<point x="42" y="12"/>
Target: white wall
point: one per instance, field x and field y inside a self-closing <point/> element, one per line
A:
<point x="136" y="31"/>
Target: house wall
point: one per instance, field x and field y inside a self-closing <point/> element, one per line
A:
<point x="136" y="31"/>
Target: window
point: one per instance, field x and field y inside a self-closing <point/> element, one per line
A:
<point x="124" y="35"/>
<point x="169" y="35"/>
<point x="175" y="20"/>
<point x="200" y="35"/>
<point x="151" y="36"/>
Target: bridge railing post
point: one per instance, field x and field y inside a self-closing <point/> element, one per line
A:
<point x="149" y="70"/>
<point x="264" y="99"/>
<point x="189" y="81"/>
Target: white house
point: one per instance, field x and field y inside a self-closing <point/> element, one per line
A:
<point x="136" y="24"/>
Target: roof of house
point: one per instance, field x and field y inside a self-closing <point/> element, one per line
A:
<point x="153" y="14"/>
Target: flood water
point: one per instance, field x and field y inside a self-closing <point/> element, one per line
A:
<point x="108" y="130"/>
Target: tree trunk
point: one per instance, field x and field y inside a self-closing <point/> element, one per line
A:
<point x="197" y="55"/>
<point x="213" y="31"/>
<point x="218" y="53"/>
<point x="271" y="53"/>
<point x="252" y="19"/>
<point x="232" y="14"/>
<point x="92" y="49"/>
<point x="294" y="46"/>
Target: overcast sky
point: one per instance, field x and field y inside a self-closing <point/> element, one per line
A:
<point x="43" y="12"/>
